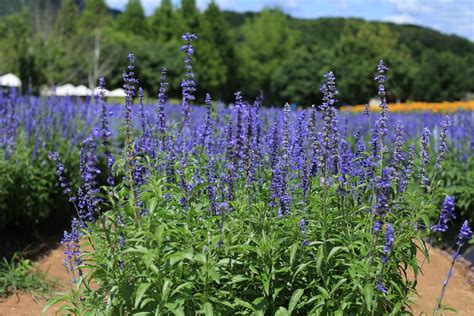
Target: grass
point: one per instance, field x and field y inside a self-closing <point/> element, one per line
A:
<point x="20" y="275"/>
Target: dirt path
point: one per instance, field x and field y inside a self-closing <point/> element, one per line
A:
<point x="460" y="294"/>
<point x="25" y="305"/>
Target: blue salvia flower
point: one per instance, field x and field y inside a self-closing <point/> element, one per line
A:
<point x="285" y="142"/>
<point x="188" y="84"/>
<point x="329" y="135"/>
<point x="443" y="142"/>
<point x="465" y="234"/>
<point x="73" y="251"/>
<point x="161" y="117"/>
<point x="376" y="150"/>
<point x="387" y="249"/>
<point x="408" y="169"/>
<point x="302" y="225"/>
<point x="329" y="90"/>
<point x="447" y="214"/>
<point x="250" y="149"/>
<point x="61" y="178"/>
<point x="170" y="159"/>
<point x="383" y="195"/>
<point x="274" y="135"/>
<point x="276" y="183"/>
<point x="299" y="154"/>
<point x="129" y="86"/>
<point x="239" y="150"/>
<point x="389" y="240"/>
<point x="89" y="173"/>
<point x="344" y="165"/>
<point x="211" y="188"/>
<point x="208" y="125"/>
<point x="314" y="142"/>
<point x="335" y="140"/>
<point x="380" y="287"/>
<point x="282" y="188"/>
<point x="380" y="78"/>
<point x="397" y="157"/>
<point x="257" y="143"/>
<point x="229" y="176"/>
<point x="366" y="112"/>
<point x="145" y="144"/>
<point x="105" y="132"/>
<point x="425" y="158"/>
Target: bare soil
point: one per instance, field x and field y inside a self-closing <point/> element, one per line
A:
<point x="24" y="304"/>
<point x="460" y="292"/>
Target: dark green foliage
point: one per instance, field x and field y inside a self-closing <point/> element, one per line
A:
<point x="161" y="22"/>
<point x="267" y="41"/>
<point x="31" y="203"/>
<point x="132" y="20"/>
<point x="458" y="179"/>
<point x="294" y="78"/>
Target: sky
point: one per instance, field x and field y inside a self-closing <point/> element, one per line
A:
<point x="447" y="16"/>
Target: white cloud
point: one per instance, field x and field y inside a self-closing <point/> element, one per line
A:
<point x="414" y="6"/>
<point x="401" y="19"/>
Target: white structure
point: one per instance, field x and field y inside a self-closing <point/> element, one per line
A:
<point x="82" y="91"/>
<point x="65" y="90"/>
<point x="10" y="80"/>
<point x="117" y="93"/>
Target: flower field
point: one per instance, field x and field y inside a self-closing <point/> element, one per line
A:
<point x="237" y="209"/>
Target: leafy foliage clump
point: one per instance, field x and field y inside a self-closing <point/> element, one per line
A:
<point x="20" y="275"/>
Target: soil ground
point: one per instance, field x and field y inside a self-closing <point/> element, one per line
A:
<point x="460" y="292"/>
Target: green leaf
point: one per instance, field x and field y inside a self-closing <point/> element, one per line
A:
<point x="140" y="292"/>
<point x="369" y="295"/>
<point x="294" y="299"/>
<point x="282" y="312"/>
<point x="208" y="310"/>
<point x="333" y="251"/>
<point x="293" y="250"/>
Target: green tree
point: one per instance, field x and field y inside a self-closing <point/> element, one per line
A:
<point x="95" y="16"/>
<point x="189" y="16"/>
<point x="17" y="54"/>
<point x="298" y="78"/>
<point x="214" y="52"/>
<point x="132" y="20"/>
<point x="441" y="76"/>
<point x="267" y="40"/>
<point x="355" y="57"/>
<point x="66" y="21"/>
<point x="161" y="22"/>
<point x="98" y="45"/>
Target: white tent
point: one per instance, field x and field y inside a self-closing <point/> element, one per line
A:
<point x="82" y="91"/>
<point x="65" y="90"/>
<point x="10" y="80"/>
<point x="117" y="93"/>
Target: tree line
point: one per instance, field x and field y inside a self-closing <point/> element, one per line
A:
<point x="75" y="41"/>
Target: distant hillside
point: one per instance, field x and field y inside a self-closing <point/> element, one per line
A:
<point x="326" y="31"/>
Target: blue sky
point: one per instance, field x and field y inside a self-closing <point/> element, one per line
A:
<point x="447" y="16"/>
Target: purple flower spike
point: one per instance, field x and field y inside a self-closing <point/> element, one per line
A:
<point x="465" y="234"/>
<point x="447" y="214"/>
<point x="389" y="240"/>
